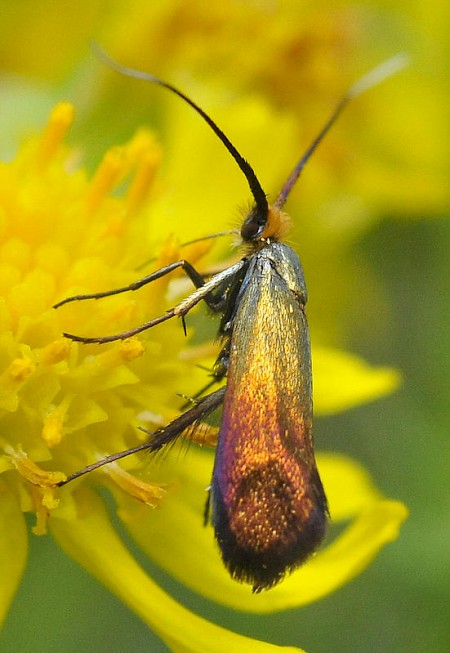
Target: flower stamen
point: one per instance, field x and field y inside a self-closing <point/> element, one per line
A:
<point x="60" y="120"/>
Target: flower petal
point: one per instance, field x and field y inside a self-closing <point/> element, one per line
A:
<point x="174" y="536"/>
<point x="13" y="547"/>
<point x="93" y="542"/>
<point x="342" y="560"/>
<point x="349" y="486"/>
<point x="343" y="380"/>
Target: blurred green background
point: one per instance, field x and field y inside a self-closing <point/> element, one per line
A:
<point x="396" y="309"/>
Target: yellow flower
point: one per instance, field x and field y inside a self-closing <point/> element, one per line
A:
<point x="64" y="405"/>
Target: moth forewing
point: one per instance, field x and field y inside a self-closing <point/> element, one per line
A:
<point x="268" y="505"/>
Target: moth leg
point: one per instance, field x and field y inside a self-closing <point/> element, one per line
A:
<point x="189" y="269"/>
<point x="162" y="436"/>
<point x="204" y="292"/>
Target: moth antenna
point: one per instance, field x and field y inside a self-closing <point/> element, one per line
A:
<point x="372" y="78"/>
<point x="252" y="180"/>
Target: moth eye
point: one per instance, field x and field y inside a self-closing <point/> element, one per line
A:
<point x="251" y="230"/>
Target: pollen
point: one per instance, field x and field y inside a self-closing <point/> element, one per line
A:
<point x="144" y="176"/>
<point x="60" y="120"/>
<point x="203" y="434"/>
<point x="105" y="178"/>
<point x="53" y="428"/>
<point x="31" y="471"/>
<point x="55" y="352"/>
<point x="131" y="349"/>
<point x="20" y="369"/>
<point x="148" y="493"/>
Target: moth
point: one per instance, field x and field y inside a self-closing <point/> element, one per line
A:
<point x="267" y="503"/>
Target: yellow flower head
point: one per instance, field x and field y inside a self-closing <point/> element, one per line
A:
<point x="64" y="405"/>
